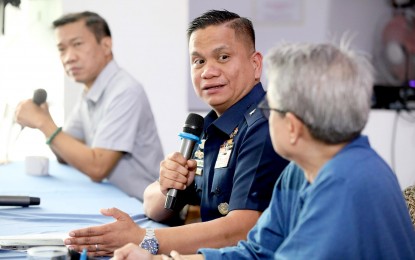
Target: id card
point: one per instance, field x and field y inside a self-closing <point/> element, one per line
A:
<point x="224" y="154"/>
<point x="225" y="151"/>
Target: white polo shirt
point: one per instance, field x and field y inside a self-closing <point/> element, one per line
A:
<point x="115" y="114"/>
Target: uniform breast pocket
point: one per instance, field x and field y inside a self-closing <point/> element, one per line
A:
<point x="222" y="184"/>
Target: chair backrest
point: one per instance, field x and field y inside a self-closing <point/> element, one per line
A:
<point x="409" y="194"/>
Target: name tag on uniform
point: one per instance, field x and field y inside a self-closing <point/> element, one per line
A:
<point x="224" y="155"/>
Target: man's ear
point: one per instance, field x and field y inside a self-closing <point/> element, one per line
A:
<point x="295" y="127"/>
<point x="257" y="63"/>
<point x="106" y="43"/>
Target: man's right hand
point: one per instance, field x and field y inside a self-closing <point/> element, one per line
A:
<point x="103" y="240"/>
<point x="176" y="172"/>
<point x="29" y="114"/>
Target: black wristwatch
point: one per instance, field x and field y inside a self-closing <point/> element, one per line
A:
<point x="150" y="242"/>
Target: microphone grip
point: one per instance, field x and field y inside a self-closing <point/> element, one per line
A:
<point x="170" y="199"/>
<point x="186" y="150"/>
<point x="23" y="201"/>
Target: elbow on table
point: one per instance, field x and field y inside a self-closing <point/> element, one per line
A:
<point x="60" y="160"/>
<point x="97" y="174"/>
<point x="155" y="213"/>
<point x="95" y="179"/>
<point x="149" y="211"/>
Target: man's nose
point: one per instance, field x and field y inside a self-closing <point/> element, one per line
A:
<point x="210" y="70"/>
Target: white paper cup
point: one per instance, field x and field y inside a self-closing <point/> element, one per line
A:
<point x="47" y="253"/>
<point x="37" y="165"/>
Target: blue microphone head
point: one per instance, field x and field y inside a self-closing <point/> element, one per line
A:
<point x="194" y="124"/>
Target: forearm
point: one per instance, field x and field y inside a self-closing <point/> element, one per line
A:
<point x="75" y="153"/>
<point x="60" y="160"/>
<point x="222" y="232"/>
<point x="48" y="128"/>
<point x="153" y="203"/>
<point x="174" y="255"/>
<point x="91" y="162"/>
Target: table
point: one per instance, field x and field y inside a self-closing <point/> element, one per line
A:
<point x="69" y="200"/>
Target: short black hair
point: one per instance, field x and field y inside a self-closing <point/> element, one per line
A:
<point x="242" y="26"/>
<point x="93" y="21"/>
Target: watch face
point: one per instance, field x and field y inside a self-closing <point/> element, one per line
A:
<point x="150" y="245"/>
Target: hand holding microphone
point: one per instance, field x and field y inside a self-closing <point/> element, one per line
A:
<point x="39" y="96"/>
<point x="25" y="112"/>
<point x="192" y="130"/>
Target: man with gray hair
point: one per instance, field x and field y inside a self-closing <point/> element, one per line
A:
<point x="337" y="199"/>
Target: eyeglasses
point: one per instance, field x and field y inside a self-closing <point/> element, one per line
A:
<point x="266" y="110"/>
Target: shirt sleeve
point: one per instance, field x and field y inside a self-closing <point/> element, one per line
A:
<point x="257" y="169"/>
<point x="327" y="211"/>
<point x="119" y="123"/>
<point x="73" y="126"/>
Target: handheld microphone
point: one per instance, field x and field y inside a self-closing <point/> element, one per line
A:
<point x="39" y="96"/>
<point x="192" y="129"/>
<point x="23" y="201"/>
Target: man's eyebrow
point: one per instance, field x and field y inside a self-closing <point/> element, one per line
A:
<point x="216" y="50"/>
<point x="220" y="49"/>
<point x="70" y="41"/>
<point x="194" y="53"/>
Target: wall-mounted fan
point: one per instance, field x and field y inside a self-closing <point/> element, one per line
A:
<point x="396" y="58"/>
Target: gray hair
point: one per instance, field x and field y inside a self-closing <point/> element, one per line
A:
<point x="329" y="88"/>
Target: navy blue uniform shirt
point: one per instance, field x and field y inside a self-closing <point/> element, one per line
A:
<point x="237" y="164"/>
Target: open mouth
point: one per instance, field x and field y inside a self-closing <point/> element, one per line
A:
<point x="207" y="88"/>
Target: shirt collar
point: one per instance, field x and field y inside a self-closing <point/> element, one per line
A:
<point x="102" y="81"/>
<point x="229" y="120"/>
<point x="359" y="141"/>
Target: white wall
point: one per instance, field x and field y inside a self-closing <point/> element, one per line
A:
<point x="392" y="135"/>
<point x="28" y="60"/>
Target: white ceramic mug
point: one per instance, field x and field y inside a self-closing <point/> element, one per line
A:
<point x="37" y="165"/>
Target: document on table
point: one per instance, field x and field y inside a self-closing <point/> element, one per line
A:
<point x="31" y="240"/>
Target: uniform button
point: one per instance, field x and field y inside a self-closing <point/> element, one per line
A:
<point x="217" y="191"/>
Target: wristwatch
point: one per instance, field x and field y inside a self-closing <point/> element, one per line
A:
<point x="150" y="242"/>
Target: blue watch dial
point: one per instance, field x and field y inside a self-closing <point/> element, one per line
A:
<point x="151" y="245"/>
